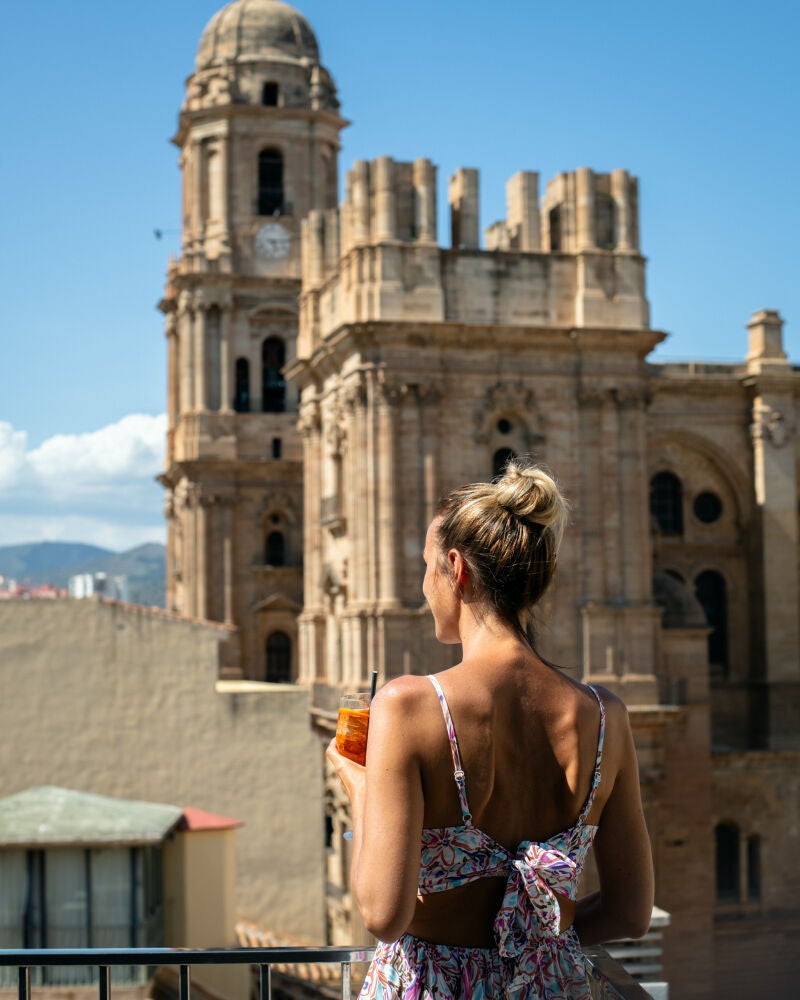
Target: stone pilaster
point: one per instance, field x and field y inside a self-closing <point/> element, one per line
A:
<point x="771" y="382"/>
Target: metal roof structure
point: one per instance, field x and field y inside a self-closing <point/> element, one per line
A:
<point x="58" y="817"/>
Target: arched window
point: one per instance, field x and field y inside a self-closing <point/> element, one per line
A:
<point x="555" y="228"/>
<point x="241" y="398"/>
<point x="666" y="503"/>
<point x="727" y="848"/>
<point x="270" y="182"/>
<point x="754" y="867"/>
<point x="710" y="590"/>
<point x="605" y="220"/>
<point x="273" y="386"/>
<point x="269" y="94"/>
<point x="500" y="459"/>
<point x="275" y="549"/>
<point x="279" y="658"/>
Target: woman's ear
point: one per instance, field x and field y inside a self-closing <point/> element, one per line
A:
<point x="459" y="572"/>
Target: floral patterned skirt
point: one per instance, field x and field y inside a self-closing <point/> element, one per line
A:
<point x="411" y="969"/>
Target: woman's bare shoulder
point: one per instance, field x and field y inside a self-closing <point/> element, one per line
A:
<point x="401" y="696"/>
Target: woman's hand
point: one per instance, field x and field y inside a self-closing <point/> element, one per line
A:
<point x="353" y="776"/>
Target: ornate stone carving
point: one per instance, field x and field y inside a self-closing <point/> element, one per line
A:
<point x="593" y="395"/>
<point x="388" y="389"/>
<point x="310" y="420"/>
<point x="508" y="399"/>
<point x="770" y="424"/>
<point x="354" y="393"/>
<point x="632" y="397"/>
<point x="279" y="502"/>
<point x="336" y="429"/>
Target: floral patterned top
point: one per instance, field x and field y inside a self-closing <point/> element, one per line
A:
<point x="454" y="855"/>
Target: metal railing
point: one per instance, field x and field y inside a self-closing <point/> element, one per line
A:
<point x="104" y="960"/>
<point x="608" y="980"/>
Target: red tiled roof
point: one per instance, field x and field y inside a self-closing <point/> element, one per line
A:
<point x="197" y="819"/>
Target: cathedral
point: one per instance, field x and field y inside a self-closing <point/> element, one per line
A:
<point x="335" y="366"/>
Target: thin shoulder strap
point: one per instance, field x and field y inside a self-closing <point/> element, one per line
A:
<point x="598" y="759"/>
<point x="458" y="770"/>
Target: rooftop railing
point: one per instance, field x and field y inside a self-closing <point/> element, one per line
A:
<point x="608" y="980"/>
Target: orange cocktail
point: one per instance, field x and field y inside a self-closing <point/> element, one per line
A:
<point x="352" y="727"/>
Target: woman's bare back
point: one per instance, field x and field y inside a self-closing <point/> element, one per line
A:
<point x="528" y="741"/>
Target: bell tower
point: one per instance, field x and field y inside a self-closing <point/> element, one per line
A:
<point x="258" y="136"/>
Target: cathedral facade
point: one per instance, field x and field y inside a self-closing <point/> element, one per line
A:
<point x="334" y="368"/>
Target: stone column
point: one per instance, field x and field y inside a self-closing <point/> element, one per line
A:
<point x="314" y="249"/>
<point x="591" y="401"/>
<point x="201" y="360"/>
<point x="225" y="196"/>
<point x="228" y="561"/>
<point x="201" y="548"/>
<point x="311" y="623"/>
<point x="386" y="490"/>
<point x="425" y="200"/>
<point x="385" y="201"/>
<point x="226" y="359"/>
<point x="360" y="213"/>
<point x="584" y="198"/>
<point x="186" y="353"/>
<point x="464" y="198"/>
<point x="522" y="211"/>
<point x="620" y="192"/>
<point x="635" y="544"/>
<point x="197" y="194"/>
<point x="173" y="371"/>
<point x="611" y="498"/>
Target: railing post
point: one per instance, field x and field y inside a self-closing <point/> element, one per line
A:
<point x="264" y="982"/>
<point x="346" y="992"/>
<point x="183" y="973"/>
<point x="104" y="982"/>
<point x="24" y="983"/>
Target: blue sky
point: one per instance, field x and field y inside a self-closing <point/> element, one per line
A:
<point x="700" y="100"/>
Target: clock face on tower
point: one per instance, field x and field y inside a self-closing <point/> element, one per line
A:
<point x="272" y="241"/>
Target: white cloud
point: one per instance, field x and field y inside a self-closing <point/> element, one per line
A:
<point x="97" y="487"/>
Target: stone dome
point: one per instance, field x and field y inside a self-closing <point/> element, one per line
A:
<point x="248" y="30"/>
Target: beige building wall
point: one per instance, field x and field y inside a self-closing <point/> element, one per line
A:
<point x="200" y="904"/>
<point x="119" y="700"/>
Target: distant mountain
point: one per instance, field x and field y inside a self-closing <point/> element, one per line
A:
<point x="37" y="562"/>
<point x="56" y="562"/>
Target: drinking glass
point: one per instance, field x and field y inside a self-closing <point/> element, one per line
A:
<point x="352" y="726"/>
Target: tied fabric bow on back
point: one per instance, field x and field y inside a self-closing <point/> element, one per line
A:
<point x="530" y="908"/>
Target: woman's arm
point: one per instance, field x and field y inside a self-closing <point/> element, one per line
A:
<point x="387" y="806"/>
<point x="623" y="906"/>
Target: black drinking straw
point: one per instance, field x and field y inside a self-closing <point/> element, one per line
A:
<point x="374" y="684"/>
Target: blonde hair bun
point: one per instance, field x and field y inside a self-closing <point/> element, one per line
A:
<point x="508" y="533"/>
<point x="529" y="492"/>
